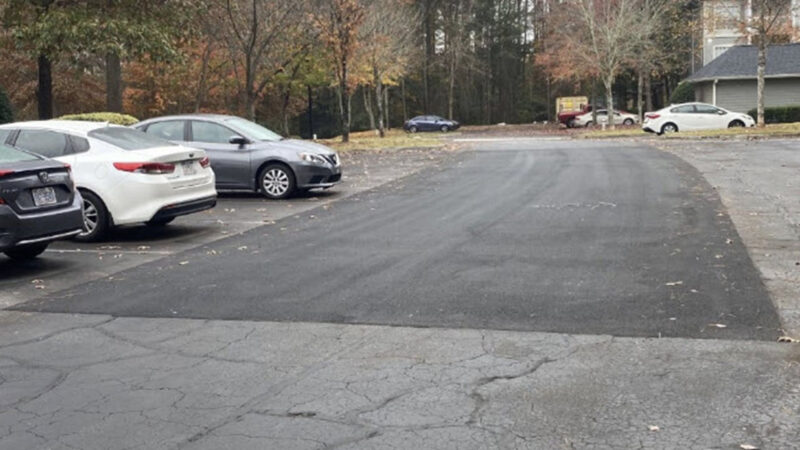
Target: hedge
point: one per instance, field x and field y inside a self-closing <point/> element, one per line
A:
<point x="684" y="93"/>
<point x="779" y="114"/>
<point x="115" y="118"/>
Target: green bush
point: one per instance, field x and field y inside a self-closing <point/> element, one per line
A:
<point x="115" y="118"/>
<point x="779" y="114"/>
<point x="6" y="113"/>
<point x="684" y="93"/>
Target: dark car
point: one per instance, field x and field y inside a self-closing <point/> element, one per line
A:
<point x="430" y="123"/>
<point x="247" y="156"/>
<point x="38" y="203"/>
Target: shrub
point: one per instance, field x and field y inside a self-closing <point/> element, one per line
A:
<point x="6" y="113"/>
<point x="684" y="93"/>
<point x="779" y="114"/>
<point x="115" y="118"/>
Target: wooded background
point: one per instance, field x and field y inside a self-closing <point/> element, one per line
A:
<point x="358" y="64"/>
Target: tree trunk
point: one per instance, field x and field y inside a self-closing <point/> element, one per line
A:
<point x="594" y="101"/>
<point x="287" y="95"/>
<point x="44" y="91"/>
<point x="368" y="106"/>
<point x="379" y="97"/>
<point x="762" y="66"/>
<point x="609" y="85"/>
<point x="403" y="94"/>
<point x="113" y="83"/>
<point x="310" y="114"/>
<point x="639" y="91"/>
<point x="386" y="107"/>
<point x="648" y="92"/>
<point x="200" y="95"/>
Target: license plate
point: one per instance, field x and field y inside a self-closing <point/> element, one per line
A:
<point x="44" y="196"/>
<point x="188" y="168"/>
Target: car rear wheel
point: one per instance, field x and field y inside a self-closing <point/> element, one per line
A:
<point x="589" y="123"/>
<point x="95" y="218"/>
<point x="669" y="128"/>
<point x="627" y="122"/>
<point x="571" y="123"/>
<point x="276" y="181"/>
<point x="26" y="252"/>
<point x="412" y="129"/>
<point x="445" y="128"/>
<point x="736" y="124"/>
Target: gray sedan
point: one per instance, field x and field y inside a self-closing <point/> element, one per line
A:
<point x="247" y="156"/>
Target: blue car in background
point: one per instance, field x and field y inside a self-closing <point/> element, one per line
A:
<point x="430" y="123"/>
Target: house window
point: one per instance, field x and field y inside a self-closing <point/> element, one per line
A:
<point x="720" y="49"/>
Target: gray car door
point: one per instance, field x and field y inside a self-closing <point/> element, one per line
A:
<point x="231" y="162"/>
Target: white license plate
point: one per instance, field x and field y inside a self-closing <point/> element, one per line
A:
<point x="188" y="168"/>
<point x="44" y="196"/>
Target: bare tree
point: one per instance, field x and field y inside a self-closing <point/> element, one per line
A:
<point x="263" y="37"/>
<point x="387" y="44"/>
<point x="604" y="36"/>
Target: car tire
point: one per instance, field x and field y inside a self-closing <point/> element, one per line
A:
<point x="445" y="128"/>
<point x="736" y="124"/>
<point x="589" y="124"/>
<point x="571" y="123"/>
<point x="27" y="252"/>
<point x="276" y="182"/>
<point x="159" y="222"/>
<point x="669" y="127"/>
<point x="96" y="219"/>
<point x="627" y="122"/>
<point x="412" y="129"/>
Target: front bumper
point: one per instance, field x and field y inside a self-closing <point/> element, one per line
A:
<point x="18" y="230"/>
<point x="310" y="176"/>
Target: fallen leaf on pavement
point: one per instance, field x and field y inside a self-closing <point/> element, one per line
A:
<point x="653" y="428"/>
<point x="718" y="325"/>
<point x="183" y="263"/>
<point x="788" y="340"/>
<point x="674" y="283"/>
<point x="37" y="281"/>
<point x="748" y="447"/>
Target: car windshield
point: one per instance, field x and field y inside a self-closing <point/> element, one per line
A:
<point x="10" y="155"/>
<point x="253" y="130"/>
<point x="128" y="139"/>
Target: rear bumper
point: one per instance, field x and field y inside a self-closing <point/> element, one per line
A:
<point x="313" y="176"/>
<point x="182" y="209"/>
<point x="36" y="228"/>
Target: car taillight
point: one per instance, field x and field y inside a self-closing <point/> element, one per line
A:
<point x="5" y="172"/>
<point x="652" y="116"/>
<point x="68" y="167"/>
<point x="148" y="168"/>
<point x="205" y="162"/>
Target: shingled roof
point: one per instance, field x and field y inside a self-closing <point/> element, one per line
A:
<point x="741" y="62"/>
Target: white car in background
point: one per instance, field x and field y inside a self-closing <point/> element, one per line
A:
<point x="694" y="116"/>
<point x="125" y="176"/>
<point x="620" y="118"/>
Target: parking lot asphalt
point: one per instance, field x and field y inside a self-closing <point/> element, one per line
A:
<point x="67" y="264"/>
<point x="572" y="237"/>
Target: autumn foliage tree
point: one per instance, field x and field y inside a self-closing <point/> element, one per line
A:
<point x="338" y="23"/>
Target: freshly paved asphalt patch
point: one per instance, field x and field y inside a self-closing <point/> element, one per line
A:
<point x="567" y="237"/>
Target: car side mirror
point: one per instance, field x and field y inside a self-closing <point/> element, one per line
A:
<point x="721" y="113"/>
<point x="241" y="141"/>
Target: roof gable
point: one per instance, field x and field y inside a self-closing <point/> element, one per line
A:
<point x="741" y="61"/>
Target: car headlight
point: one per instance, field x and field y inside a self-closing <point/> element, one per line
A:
<point x="312" y="158"/>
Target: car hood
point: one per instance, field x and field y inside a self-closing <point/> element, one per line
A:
<point x="296" y="145"/>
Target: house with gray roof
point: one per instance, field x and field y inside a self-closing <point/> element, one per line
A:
<point x="729" y="80"/>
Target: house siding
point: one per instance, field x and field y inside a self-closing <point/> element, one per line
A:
<point x="740" y="95"/>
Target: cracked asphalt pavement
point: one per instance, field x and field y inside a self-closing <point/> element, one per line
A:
<point x="518" y="294"/>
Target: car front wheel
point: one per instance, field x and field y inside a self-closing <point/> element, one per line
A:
<point x="627" y="122"/>
<point x="276" y="181"/>
<point x="445" y="128"/>
<point x="736" y="124"/>
<point x="412" y="129"/>
<point x="27" y="252"/>
<point x="95" y="218"/>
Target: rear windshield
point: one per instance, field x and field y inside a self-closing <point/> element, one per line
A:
<point x="10" y="155"/>
<point x="128" y="138"/>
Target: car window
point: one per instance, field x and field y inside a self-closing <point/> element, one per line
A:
<point x="210" y="132"/>
<point x="43" y="142"/>
<point x="683" y="109"/>
<point x="79" y="144"/>
<point x="9" y="155"/>
<point x="128" y="138"/>
<point x="252" y="130"/>
<point x="4" y="135"/>
<point x="706" y="109"/>
<point x="418" y="118"/>
<point x="171" y="130"/>
<point x="602" y="113"/>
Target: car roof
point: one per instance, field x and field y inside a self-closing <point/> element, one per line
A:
<point x="189" y="117"/>
<point x="71" y="126"/>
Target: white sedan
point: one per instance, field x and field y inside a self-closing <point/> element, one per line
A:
<point x="620" y="118"/>
<point x="694" y="116"/>
<point x="124" y="175"/>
